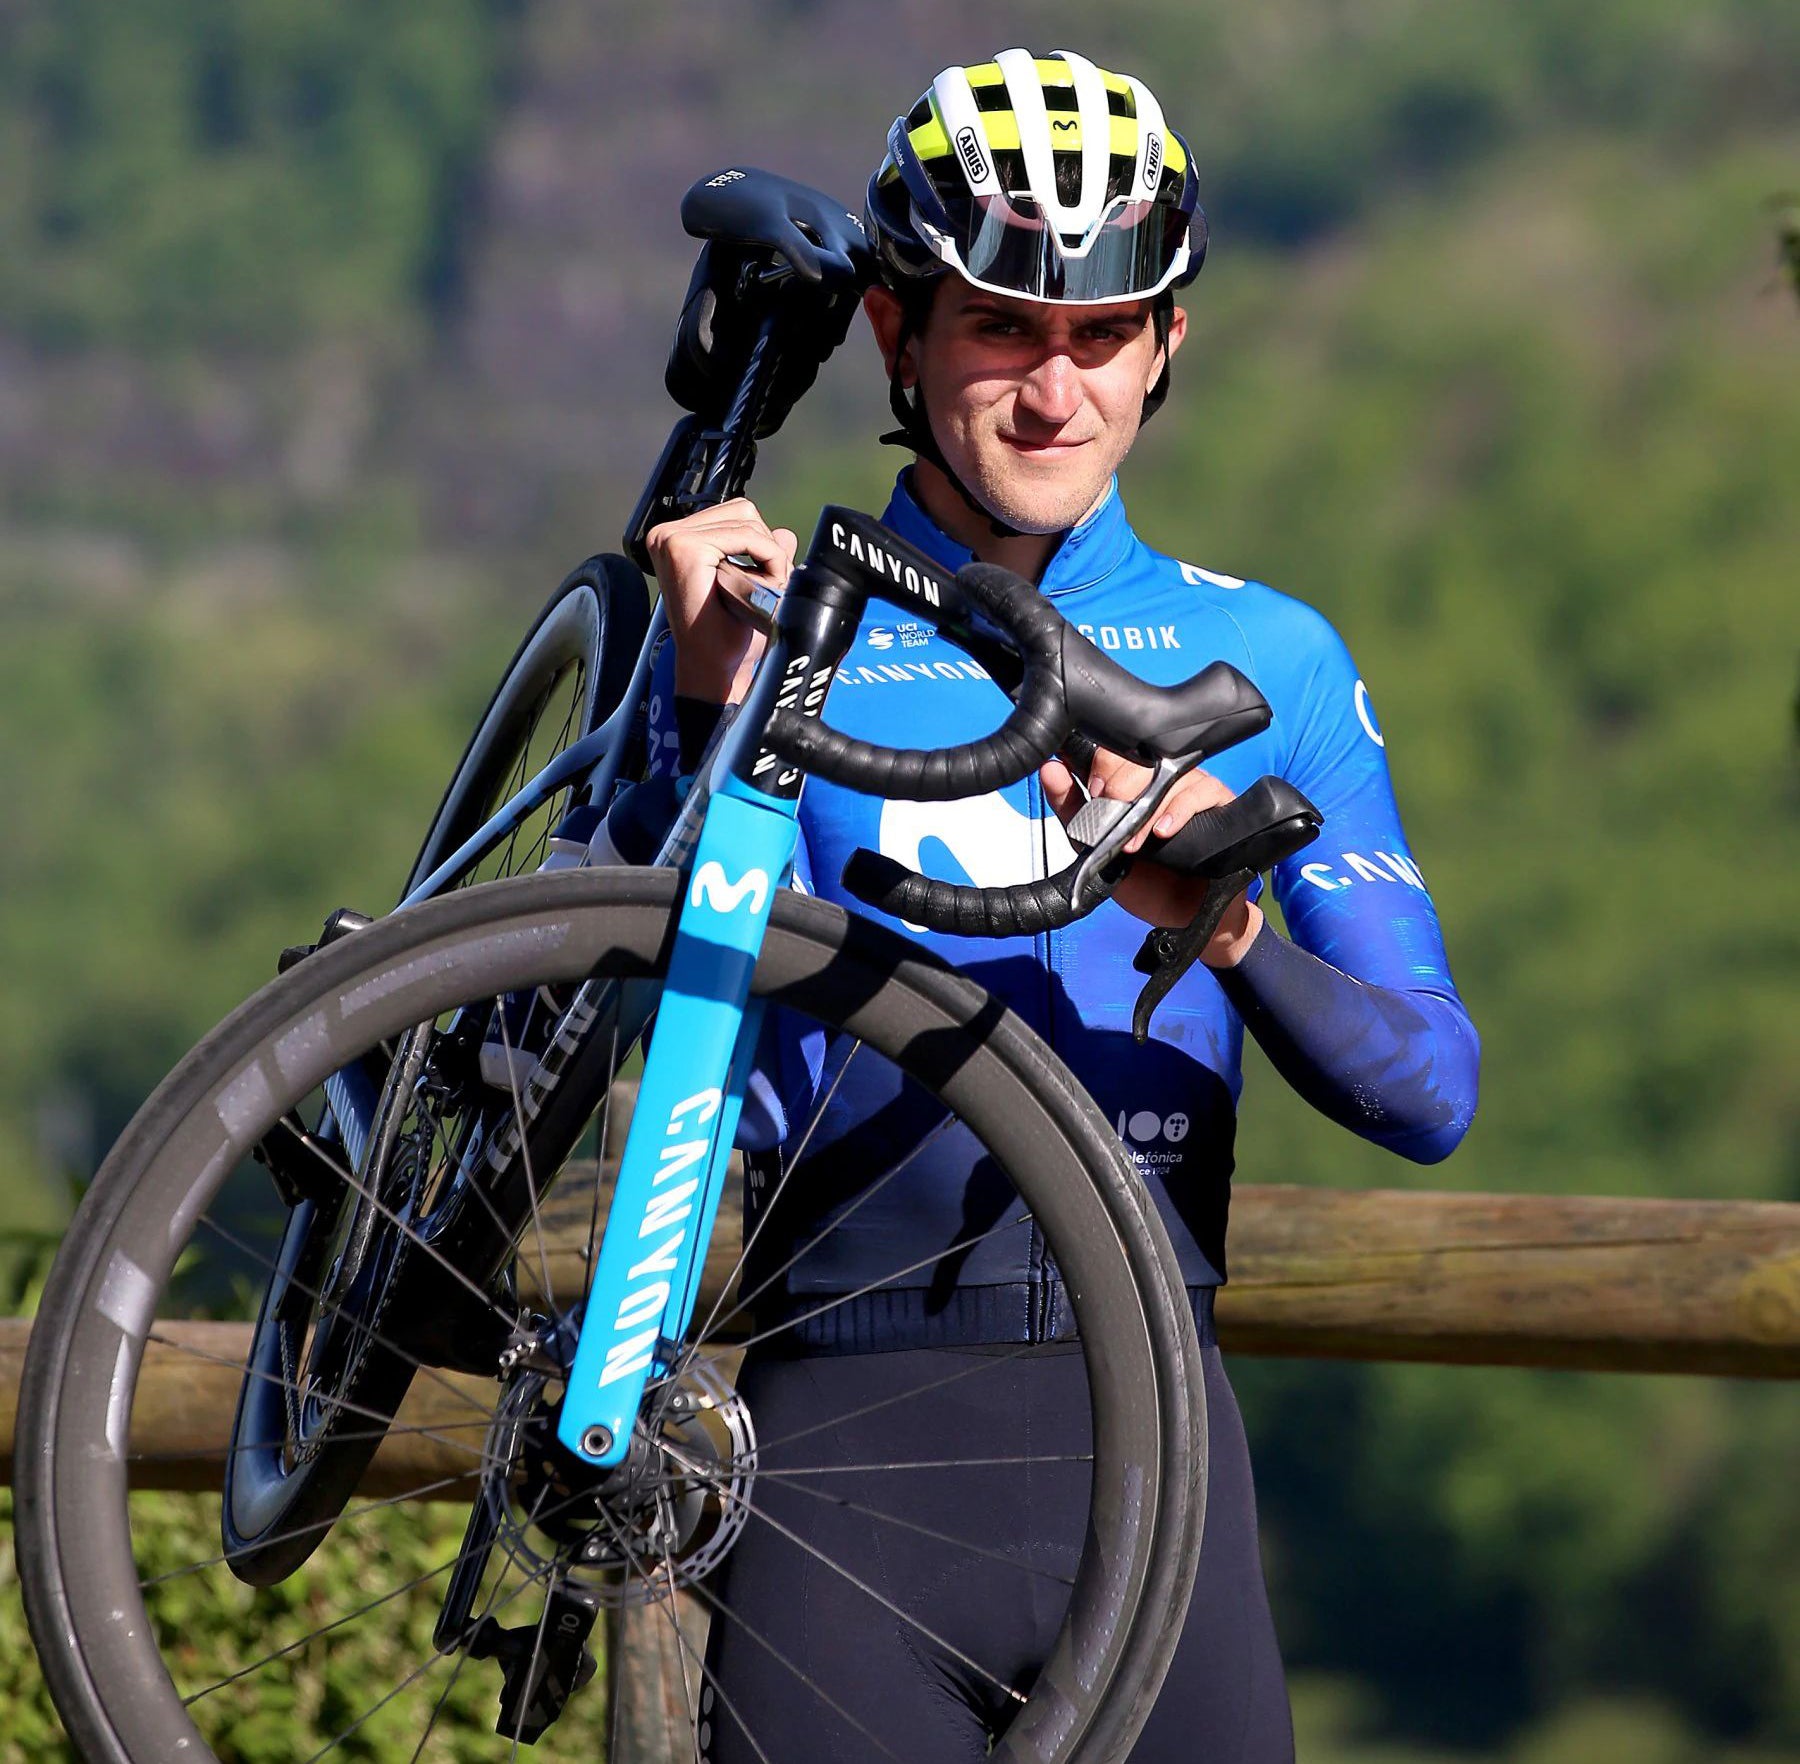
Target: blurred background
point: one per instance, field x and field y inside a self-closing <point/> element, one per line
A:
<point x="331" y="335"/>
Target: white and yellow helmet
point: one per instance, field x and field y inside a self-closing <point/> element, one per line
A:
<point x="1043" y="177"/>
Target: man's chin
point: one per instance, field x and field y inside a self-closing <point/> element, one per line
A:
<point x="1043" y="513"/>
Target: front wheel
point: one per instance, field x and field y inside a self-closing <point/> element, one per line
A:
<point x="422" y="1631"/>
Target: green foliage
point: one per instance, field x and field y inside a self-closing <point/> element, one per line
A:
<point x="190" y="171"/>
<point x="351" y="1680"/>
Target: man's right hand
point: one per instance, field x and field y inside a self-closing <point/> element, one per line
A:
<point x="716" y="650"/>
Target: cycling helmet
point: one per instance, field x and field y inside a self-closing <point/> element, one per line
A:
<point x="1042" y="177"/>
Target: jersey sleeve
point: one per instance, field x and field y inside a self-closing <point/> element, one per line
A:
<point x="1359" y="1011"/>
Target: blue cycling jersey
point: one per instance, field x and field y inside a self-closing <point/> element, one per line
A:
<point x="1359" y="1011"/>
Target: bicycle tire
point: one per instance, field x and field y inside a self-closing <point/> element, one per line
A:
<point x="595" y="622"/>
<point x="576" y="663"/>
<point x="159" y="1187"/>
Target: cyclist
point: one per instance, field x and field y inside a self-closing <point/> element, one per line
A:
<point x="1033" y="218"/>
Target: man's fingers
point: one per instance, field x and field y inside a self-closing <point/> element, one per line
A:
<point x="1064" y="795"/>
<point x="1115" y="776"/>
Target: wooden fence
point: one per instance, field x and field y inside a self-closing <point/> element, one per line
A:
<point x="1514" y="1280"/>
<point x="1498" y="1280"/>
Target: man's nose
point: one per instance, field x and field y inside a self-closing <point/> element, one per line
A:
<point x="1052" y="390"/>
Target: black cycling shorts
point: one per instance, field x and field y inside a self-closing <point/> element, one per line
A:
<point x="819" y="1671"/>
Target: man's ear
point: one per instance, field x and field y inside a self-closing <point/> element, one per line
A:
<point x="882" y="305"/>
<point x="1176" y="335"/>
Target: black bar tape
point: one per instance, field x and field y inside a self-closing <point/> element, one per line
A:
<point x="1021" y="910"/>
<point x="1030" y="734"/>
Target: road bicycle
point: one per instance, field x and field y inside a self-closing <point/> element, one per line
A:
<point x="337" y="1176"/>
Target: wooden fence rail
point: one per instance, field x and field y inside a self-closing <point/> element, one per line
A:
<point x="1517" y="1280"/>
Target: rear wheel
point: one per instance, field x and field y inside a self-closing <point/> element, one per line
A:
<point x="319" y="1372"/>
<point x="568" y="676"/>
<point x="417" y="1629"/>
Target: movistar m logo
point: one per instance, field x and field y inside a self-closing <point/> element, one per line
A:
<point x="884" y="563"/>
<point x="713" y="888"/>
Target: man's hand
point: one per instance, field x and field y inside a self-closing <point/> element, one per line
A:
<point x="1159" y="896"/>
<point x="715" y="650"/>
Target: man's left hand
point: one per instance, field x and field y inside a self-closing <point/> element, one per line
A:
<point x="1157" y="895"/>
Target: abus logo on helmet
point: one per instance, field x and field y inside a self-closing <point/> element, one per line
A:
<point x="1153" y="161"/>
<point x="974" y="160"/>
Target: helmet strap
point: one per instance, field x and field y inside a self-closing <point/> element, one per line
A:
<point x="915" y="433"/>
<point x="1160" y="318"/>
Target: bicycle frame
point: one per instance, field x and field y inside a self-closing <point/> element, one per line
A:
<point x="737" y="841"/>
<point x="742" y="839"/>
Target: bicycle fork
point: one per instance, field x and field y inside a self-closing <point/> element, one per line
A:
<point x="672" y="1174"/>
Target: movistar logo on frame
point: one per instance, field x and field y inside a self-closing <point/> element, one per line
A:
<point x="713" y="888"/>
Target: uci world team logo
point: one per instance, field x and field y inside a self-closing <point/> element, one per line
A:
<point x="713" y="888"/>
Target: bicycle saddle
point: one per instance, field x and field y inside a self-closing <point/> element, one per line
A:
<point x="771" y="246"/>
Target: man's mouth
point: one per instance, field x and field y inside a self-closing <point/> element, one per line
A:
<point x="1043" y="446"/>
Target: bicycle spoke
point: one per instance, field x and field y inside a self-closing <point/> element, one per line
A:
<point x="328" y="1308"/>
<point x="843" y="1298"/>
<point x="531" y="1188"/>
<point x="373" y="1506"/>
<point x="768" y="1210"/>
<point x="844" y="1573"/>
<point x="707" y="1674"/>
<point x="665" y="1517"/>
<point x="745" y="1300"/>
<point x="326" y="1629"/>
<point x="347" y="1406"/>
<point x="195" y="1454"/>
<point x="418" y="1672"/>
<point x="719" y="1608"/>
<point x="982" y="1363"/>
<point x="537" y="1653"/>
<point x="944" y="1537"/>
<point x="593" y="1236"/>
<point x="412" y="1235"/>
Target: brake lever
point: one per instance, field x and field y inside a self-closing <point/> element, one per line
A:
<point x="1169" y="951"/>
<point x="1104" y="825"/>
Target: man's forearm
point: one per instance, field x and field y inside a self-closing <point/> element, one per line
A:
<point x="1400" y="1068"/>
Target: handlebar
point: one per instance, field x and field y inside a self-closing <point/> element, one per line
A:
<point x="1067" y="694"/>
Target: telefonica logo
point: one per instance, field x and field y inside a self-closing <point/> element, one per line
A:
<point x="713" y="888"/>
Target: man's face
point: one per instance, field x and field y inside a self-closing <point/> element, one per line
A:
<point x="1034" y="405"/>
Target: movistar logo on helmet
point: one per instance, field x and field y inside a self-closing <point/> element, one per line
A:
<point x="974" y="160"/>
